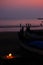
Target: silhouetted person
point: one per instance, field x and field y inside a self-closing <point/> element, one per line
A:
<point x="26" y="25"/>
<point x="40" y="24"/>
<point x="21" y="34"/>
<point x="22" y="30"/>
<point x="20" y="25"/>
<point x="28" y="28"/>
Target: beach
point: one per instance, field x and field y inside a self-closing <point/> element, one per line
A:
<point x="9" y="43"/>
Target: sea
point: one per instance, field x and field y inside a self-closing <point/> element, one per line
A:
<point x="13" y="22"/>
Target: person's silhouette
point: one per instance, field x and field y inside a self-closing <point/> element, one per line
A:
<point x="28" y="28"/>
<point x="40" y="24"/>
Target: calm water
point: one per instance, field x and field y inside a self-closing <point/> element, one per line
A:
<point x="18" y="22"/>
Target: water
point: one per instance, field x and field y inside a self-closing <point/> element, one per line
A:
<point x="18" y="22"/>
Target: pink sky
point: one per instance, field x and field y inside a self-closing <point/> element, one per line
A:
<point x="21" y="3"/>
<point x="32" y="8"/>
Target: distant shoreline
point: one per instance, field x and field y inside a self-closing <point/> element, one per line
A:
<point x="40" y="18"/>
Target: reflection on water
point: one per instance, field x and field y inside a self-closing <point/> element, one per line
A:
<point x="9" y="29"/>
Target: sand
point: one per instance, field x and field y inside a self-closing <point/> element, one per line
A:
<point x="8" y="42"/>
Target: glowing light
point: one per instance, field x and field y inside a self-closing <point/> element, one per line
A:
<point x="9" y="56"/>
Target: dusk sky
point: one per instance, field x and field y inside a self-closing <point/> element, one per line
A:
<point x="21" y="8"/>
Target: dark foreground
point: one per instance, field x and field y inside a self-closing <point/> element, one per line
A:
<point x="30" y="61"/>
<point x="9" y="43"/>
<point x="26" y="58"/>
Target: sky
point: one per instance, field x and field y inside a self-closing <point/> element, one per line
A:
<point x="21" y="9"/>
